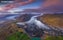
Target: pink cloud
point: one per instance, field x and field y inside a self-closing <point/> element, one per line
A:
<point x="52" y="5"/>
<point x="46" y="6"/>
<point x="16" y="4"/>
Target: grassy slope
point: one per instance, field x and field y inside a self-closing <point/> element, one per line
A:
<point x="54" y="38"/>
<point x="18" y="36"/>
<point x="55" y="20"/>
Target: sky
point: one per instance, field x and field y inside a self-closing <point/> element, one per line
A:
<point x="32" y="5"/>
<point x="43" y="5"/>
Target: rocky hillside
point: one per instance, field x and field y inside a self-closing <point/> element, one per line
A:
<point x="7" y="29"/>
<point x="55" y="20"/>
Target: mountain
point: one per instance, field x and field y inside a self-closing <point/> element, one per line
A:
<point x="9" y="26"/>
<point x="7" y="17"/>
<point x="51" y="20"/>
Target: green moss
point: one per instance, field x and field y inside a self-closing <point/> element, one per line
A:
<point x="18" y="36"/>
<point x="54" y="38"/>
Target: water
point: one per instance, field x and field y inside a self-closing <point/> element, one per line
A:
<point x="8" y="17"/>
<point x="33" y="20"/>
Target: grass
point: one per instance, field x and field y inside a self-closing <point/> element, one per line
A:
<point x="23" y="36"/>
<point x="54" y="38"/>
<point x="18" y="36"/>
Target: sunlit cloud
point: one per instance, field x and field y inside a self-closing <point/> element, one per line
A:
<point x="16" y="4"/>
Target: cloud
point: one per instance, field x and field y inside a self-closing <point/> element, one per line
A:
<point x="52" y="2"/>
<point x="52" y="6"/>
<point x="49" y="7"/>
<point x="16" y="3"/>
<point x="46" y="6"/>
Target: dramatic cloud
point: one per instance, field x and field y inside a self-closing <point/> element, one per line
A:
<point x="16" y="3"/>
<point x="46" y="6"/>
<point x="52" y="6"/>
<point x="49" y="6"/>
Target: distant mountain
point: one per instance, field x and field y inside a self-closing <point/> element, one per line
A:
<point x="8" y="16"/>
